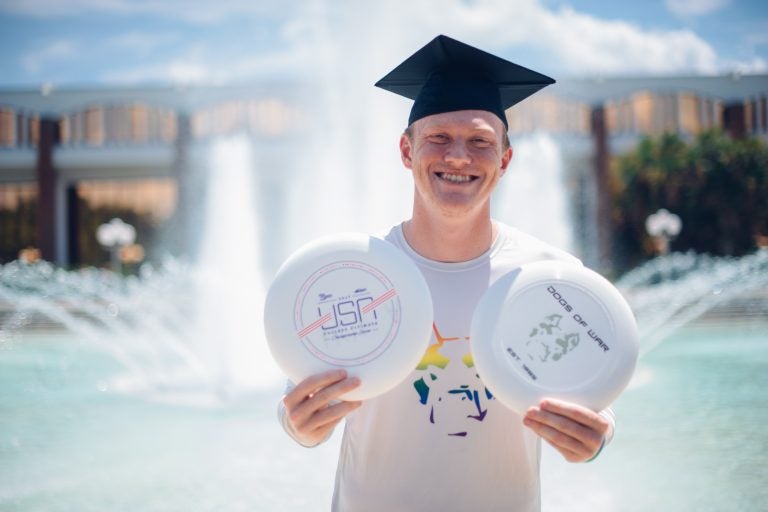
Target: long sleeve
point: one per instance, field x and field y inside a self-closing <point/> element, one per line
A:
<point x="609" y="415"/>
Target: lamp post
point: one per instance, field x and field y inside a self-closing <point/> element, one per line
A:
<point x="114" y="235"/>
<point x="663" y="226"/>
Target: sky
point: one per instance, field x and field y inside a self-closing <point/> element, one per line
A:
<point x="142" y="42"/>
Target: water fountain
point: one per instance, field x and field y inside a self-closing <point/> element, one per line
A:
<point x="195" y="330"/>
<point x="180" y="335"/>
<point x="671" y="291"/>
<point x="536" y="171"/>
<point x="181" y="332"/>
<point x="100" y="418"/>
<point x="184" y="330"/>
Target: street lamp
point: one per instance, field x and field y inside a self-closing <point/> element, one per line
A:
<point x="114" y="235"/>
<point x="663" y="226"/>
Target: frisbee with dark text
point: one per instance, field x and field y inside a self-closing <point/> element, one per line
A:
<point x="349" y="301"/>
<point x="554" y="330"/>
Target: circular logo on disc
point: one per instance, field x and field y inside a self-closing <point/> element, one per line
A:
<point x="554" y="329"/>
<point x="565" y="338"/>
<point x="347" y="313"/>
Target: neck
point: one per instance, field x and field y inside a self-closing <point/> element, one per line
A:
<point x="450" y="240"/>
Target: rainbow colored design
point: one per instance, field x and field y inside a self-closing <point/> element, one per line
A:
<point x="433" y="363"/>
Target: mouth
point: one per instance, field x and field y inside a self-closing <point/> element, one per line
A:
<point x="456" y="178"/>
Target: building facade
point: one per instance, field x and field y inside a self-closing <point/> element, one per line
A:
<point x="71" y="159"/>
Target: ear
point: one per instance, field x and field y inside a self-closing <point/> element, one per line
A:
<point x="405" y="151"/>
<point x="506" y="157"/>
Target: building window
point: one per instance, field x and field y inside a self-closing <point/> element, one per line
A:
<point x="18" y="219"/>
<point x="132" y="124"/>
<point x="270" y="117"/>
<point x="7" y="127"/>
<point x="550" y="114"/>
<point x="146" y="204"/>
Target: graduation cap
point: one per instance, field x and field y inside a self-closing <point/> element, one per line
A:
<point x="447" y="75"/>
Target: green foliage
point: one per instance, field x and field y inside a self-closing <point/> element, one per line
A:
<point x="17" y="229"/>
<point x="717" y="185"/>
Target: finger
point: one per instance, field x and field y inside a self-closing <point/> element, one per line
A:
<point x="577" y="413"/>
<point x="321" y="433"/>
<point x="569" y="448"/>
<point x="310" y="385"/>
<point x="560" y="440"/>
<point x="565" y="425"/>
<point x="569" y="455"/>
<point x="331" y="415"/>
<point x="301" y="413"/>
<point x="325" y="396"/>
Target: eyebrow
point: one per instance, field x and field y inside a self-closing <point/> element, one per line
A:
<point x="445" y="127"/>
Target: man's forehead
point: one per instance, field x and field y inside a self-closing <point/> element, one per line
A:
<point x="466" y="119"/>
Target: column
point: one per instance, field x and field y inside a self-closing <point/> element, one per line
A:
<point x="46" y="189"/>
<point x="182" y="225"/>
<point x="601" y="167"/>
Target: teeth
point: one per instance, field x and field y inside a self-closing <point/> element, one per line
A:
<point x="455" y="178"/>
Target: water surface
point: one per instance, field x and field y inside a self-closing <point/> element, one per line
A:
<point x="691" y="437"/>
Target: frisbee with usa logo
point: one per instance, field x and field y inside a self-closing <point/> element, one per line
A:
<point x="349" y="301"/>
<point x="553" y="329"/>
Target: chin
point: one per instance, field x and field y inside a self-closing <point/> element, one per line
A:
<point x="456" y="208"/>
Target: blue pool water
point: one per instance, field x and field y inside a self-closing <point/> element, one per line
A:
<point x="691" y="433"/>
<point x="691" y="437"/>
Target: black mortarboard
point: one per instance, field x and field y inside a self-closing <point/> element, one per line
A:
<point x="447" y="75"/>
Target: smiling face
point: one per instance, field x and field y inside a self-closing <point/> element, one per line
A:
<point x="457" y="159"/>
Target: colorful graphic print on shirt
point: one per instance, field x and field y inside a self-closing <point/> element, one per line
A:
<point x="453" y="407"/>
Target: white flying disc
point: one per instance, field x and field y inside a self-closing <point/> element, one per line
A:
<point x="556" y="330"/>
<point x="349" y="301"/>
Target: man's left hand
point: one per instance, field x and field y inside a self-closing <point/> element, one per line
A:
<point x="575" y="431"/>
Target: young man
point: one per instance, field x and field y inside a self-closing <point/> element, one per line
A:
<point x="439" y="440"/>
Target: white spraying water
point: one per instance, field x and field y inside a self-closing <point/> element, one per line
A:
<point x="351" y="177"/>
<point x="532" y="195"/>
<point x="673" y="290"/>
<point x="183" y="334"/>
<point x="230" y="287"/>
<point x="344" y="174"/>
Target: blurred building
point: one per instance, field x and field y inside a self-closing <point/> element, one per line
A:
<point x="73" y="158"/>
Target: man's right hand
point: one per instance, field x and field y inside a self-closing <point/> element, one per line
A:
<point x="312" y="408"/>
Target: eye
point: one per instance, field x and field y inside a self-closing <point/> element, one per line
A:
<point x="482" y="142"/>
<point x="439" y="138"/>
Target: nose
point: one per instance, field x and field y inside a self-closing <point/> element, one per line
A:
<point x="456" y="153"/>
